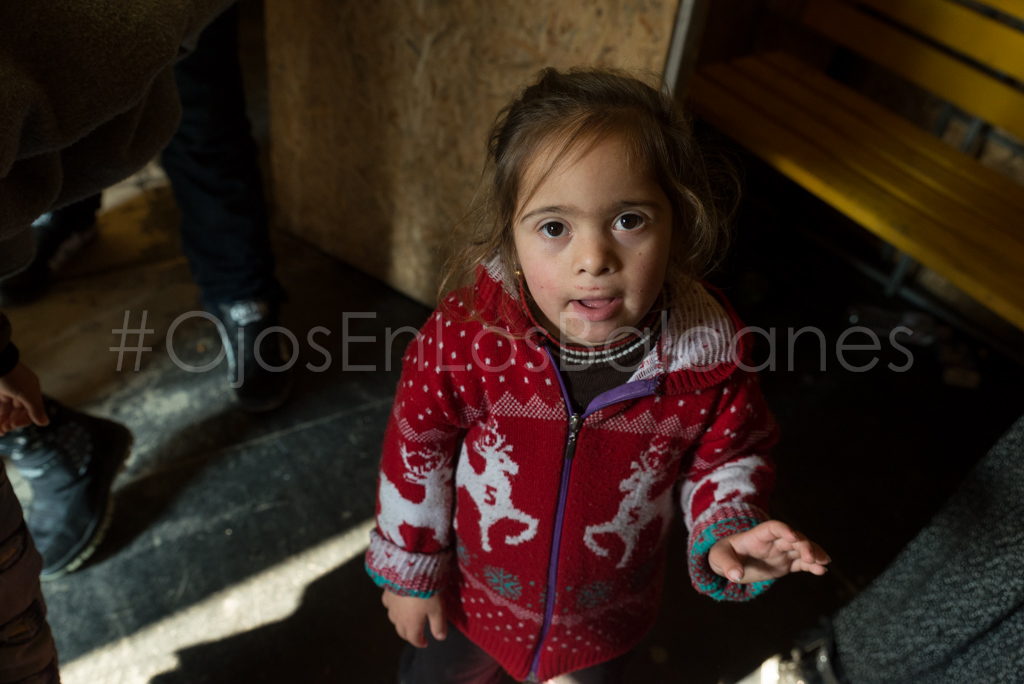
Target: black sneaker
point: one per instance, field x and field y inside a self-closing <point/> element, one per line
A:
<point x="264" y="383"/>
<point x="70" y="464"/>
<point x="59" y="235"/>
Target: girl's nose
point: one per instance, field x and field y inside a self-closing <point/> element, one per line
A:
<point x="594" y="253"/>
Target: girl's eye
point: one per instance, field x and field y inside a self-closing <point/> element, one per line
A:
<point x="629" y="222"/>
<point x="553" y="229"/>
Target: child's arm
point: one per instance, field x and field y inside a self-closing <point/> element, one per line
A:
<point x="408" y="614"/>
<point x="770" y="550"/>
<point x="725" y="492"/>
<point x="411" y="548"/>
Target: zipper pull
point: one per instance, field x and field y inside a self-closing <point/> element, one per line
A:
<point x="575" y="423"/>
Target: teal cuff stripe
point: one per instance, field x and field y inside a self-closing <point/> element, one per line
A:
<point x="397" y="589"/>
<point x="718" y="587"/>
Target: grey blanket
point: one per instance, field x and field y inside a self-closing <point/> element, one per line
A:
<point x="950" y="608"/>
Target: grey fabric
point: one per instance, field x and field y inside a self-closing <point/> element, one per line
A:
<point x="950" y="608"/>
<point x="88" y="95"/>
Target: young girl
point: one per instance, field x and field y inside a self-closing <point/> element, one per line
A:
<point x="551" y="415"/>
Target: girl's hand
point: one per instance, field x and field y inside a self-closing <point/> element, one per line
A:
<point x="772" y="549"/>
<point x="408" y="613"/>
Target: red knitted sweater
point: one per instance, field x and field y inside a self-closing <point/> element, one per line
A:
<point x="545" y="532"/>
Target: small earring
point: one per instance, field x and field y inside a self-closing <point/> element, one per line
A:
<point x="519" y="272"/>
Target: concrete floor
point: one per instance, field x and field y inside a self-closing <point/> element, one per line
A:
<point x="235" y="553"/>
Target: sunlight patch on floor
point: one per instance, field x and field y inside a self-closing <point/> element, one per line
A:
<point x="268" y="597"/>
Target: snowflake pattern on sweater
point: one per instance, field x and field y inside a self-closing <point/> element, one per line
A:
<point x="555" y="556"/>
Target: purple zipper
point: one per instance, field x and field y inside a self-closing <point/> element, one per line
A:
<point x="631" y="390"/>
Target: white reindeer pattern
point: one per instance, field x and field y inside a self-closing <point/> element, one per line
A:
<point x="432" y="512"/>
<point x="636" y="509"/>
<point x="732" y="481"/>
<point x="491" y="490"/>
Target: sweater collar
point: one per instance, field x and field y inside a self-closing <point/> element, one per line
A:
<point x="698" y="347"/>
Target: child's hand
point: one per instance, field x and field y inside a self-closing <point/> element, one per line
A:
<point x="408" y="613"/>
<point x="767" y="551"/>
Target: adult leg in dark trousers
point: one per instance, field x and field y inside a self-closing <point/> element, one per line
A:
<point x="211" y="163"/>
<point x="950" y="608"/>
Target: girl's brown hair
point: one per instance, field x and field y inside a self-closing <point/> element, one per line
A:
<point x="575" y="110"/>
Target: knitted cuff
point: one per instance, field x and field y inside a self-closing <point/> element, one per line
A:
<point x="723" y="523"/>
<point x="8" y="359"/>
<point x="403" y="572"/>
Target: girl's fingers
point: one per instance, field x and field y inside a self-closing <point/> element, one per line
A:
<point x="786" y="532"/>
<point x="438" y="625"/>
<point x="819" y="554"/>
<point x="798" y="564"/>
<point x="408" y="629"/>
<point x="812" y="553"/>
<point x="802" y="546"/>
<point x="771" y="531"/>
<point x="725" y="562"/>
<point x="414" y="634"/>
<point x="778" y="545"/>
<point x="814" y="568"/>
<point x="806" y="551"/>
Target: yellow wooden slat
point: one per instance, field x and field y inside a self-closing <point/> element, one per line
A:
<point x="965" y="31"/>
<point x="764" y="111"/>
<point x="873" y="134"/>
<point x="994" y="279"/>
<point x="926" y="144"/>
<point x="854" y="154"/>
<point x="1015" y="8"/>
<point x="947" y="77"/>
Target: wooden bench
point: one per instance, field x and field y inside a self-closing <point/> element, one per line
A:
<point x="925" y="198"/>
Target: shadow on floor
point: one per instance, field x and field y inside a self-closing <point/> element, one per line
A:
<point x="340" y="633"/>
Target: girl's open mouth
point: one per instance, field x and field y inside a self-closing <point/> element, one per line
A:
<point x="595" y="310"/>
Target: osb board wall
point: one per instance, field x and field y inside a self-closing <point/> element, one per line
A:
<point x="379" y="110"/>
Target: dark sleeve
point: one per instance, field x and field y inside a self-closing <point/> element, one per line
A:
<point x="8" y="352"/>
<point x="88" y="95"/>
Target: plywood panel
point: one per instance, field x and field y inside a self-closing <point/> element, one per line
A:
<point x="379" y="111"/>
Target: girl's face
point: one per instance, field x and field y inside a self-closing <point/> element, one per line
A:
<point x="593" y="242"/>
